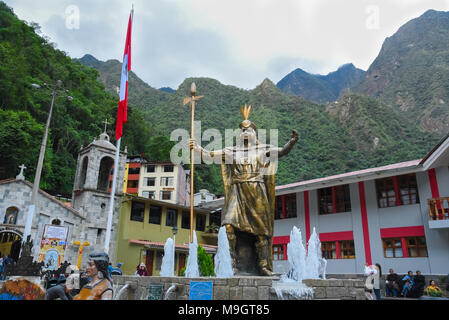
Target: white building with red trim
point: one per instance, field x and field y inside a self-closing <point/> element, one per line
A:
<point x="395" y="215"/>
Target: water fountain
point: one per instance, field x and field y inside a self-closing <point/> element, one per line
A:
<point x="222" y="260"/>
<point x="303" y="265"/>
<point x="313" y="257"/>
<point x="192" y="270"/>
<point x="316" y="264"/>
<point x="168" y="261"/>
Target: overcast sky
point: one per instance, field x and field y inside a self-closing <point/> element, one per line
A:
<point x="237" y="42"/>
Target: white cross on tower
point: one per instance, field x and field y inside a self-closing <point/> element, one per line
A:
<point x="106" y="124"/>
<point x="21" y="176"/>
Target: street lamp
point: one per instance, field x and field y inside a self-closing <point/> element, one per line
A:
<point x="57" y="89"/>
<point x="175" y="230"/>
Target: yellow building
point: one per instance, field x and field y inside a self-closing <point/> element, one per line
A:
<point x="145" y="225"/>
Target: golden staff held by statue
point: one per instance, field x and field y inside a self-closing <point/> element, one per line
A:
<point x="191" y="100"/>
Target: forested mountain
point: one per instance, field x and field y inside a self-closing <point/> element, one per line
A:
<point x="321" y="88"/>
<point x="110" y="75"/>
<point x="355" y="133"/>
<point x="411" y="72"/>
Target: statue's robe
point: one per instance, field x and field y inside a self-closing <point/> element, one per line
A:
<point x="249" y="190"/>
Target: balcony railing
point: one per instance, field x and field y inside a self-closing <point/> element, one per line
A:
<point x="438" y="208"/>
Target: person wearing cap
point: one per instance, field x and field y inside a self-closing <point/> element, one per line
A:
<point x="117" y="270"/>
<point x="248" y="172"/>
<point x="100" y="285"/>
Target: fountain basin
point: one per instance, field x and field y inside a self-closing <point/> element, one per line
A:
<point x="243" y="287"/>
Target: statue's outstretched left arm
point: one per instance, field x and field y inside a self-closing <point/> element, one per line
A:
<point x="289" y="145"/>
<point x="279" y="152"/>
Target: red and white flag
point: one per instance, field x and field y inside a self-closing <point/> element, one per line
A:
<point x="126" y="66"/>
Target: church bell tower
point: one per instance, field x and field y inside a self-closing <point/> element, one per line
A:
<point x="91" y="192"/>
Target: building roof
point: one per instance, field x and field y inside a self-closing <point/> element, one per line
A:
<point x="438" y="156"/>
<point x="213" y="204"/>
<point x="45" y="194"/>
<point x="103" y="142"/>
<point x="178" y="247"/>
<point x="128" y="197"/>
<point x="351" y="177"/>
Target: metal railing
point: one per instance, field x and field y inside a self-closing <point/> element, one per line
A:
<point x="438" y="208"/>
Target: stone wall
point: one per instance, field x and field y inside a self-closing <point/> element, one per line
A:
<point x="239" y="288"/>
<point x="341" y="289"/>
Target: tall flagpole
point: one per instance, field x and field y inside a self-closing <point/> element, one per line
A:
<point x="111" y="199"/>
<point x="114" y="183"/>
<point x="192" y="100"/>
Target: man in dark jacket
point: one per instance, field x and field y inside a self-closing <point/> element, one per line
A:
<point x="392" y="285"/>
<point x="419" y="282"/>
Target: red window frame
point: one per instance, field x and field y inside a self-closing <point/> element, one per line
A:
<point x="396" y="191"/>
<point x="278" y="252"/>
<point x="334" y="199"/>
<point x="405" y="234"/>
<point x="338" y="238"/>
<point x="285" y="206"/>
<point x="281" y="241"/>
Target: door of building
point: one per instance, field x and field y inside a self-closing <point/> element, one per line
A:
<point x="182" y="262"/>
<point x="149" y="261"/>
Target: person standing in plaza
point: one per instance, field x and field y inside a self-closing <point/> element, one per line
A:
<point x="376" y="283"/>
<point x="370" y="272"/>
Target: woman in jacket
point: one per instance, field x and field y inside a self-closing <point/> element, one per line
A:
<point x="376" y="283"/>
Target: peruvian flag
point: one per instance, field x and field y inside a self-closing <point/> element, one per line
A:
<point x="126" y="66"/>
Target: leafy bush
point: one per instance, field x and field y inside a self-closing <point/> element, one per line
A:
<point x="205" y="264"/>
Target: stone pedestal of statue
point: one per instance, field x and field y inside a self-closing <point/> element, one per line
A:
<point x="246" y="257"/>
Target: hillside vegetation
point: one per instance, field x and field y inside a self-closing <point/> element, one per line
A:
<point x="27" y="58"/>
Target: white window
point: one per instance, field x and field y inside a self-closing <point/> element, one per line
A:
<point x="148" y="194"/>
<point x="167" y="182"/>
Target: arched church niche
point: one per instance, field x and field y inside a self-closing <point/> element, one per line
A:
<point x="83" y="174"/>
<point x="11" y="215"/>
<point x="104" y="173"/>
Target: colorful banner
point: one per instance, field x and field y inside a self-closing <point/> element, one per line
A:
<point x="53" y="244"/>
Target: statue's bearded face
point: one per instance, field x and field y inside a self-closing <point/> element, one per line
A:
<point x="248" y="136"/>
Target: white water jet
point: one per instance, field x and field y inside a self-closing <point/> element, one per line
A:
<point x="192" y="270"/>
<point x="314" y="254"/>
<point x="120" y="292"/>
<point x="170" y="291"/>
<point x="222" y="260"/>
<point x="323" y="266"/>
<point x="303" y="265"/>
<point x="297" y="290"/>
<point x="296" y="256"/>
<point x="168" y="261"/>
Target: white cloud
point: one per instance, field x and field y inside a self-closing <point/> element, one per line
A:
<point x="236" y="42"/>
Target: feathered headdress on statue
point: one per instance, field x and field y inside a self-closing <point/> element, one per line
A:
<point x="246" y="110"/>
